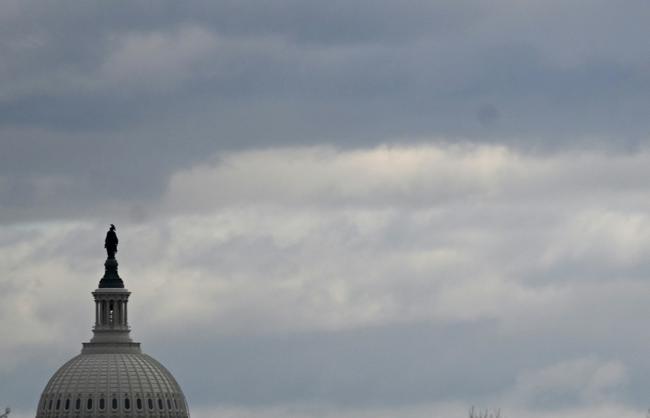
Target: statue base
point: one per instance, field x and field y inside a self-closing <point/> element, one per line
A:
<point x="111" y="279"/>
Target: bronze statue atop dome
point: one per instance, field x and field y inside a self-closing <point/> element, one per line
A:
<point x="111" y="277"/>
<point x="111" y="242"/>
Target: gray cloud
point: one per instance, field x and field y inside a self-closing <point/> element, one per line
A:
<point x="159" y="87"/>
<point x="364" y="280"/>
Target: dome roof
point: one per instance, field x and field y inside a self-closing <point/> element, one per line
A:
<point x="112" y="378"/>
<point x="112" y="384"/>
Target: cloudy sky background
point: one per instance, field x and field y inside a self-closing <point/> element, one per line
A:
<point x="335" y="209"/>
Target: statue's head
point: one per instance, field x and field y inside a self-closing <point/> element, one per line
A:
<point x="112" y="227"/>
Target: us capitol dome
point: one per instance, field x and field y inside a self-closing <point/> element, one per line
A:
<point x="112" y="377"/>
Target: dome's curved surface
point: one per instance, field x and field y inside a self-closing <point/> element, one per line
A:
<point x="112" y="385"/>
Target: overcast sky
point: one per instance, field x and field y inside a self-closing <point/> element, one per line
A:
<point x="335" y="209"/>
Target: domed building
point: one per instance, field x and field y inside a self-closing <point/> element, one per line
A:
<point x="112" y="377"/>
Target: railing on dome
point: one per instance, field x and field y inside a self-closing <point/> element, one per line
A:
<point x="6" y="414"/>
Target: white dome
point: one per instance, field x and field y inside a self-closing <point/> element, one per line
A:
<point x="112" y="378"/>
<point x="112" y="385"/>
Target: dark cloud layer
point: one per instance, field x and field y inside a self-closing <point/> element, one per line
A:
<point x="121" y="95"/>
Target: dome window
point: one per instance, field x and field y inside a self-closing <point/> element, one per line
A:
<point x="169" y="404"/>
<point x="102" y="403"/>
<point x="160" y="404"/>
<point x="150" y="402"/>
<point x="67" y="404"/>
<point x="77" y="405"/>
<point x="127" y="403"/>
<point x="110" y="313"/>
<point x="114" y="403"/>
<point x="138" y="403"/>
<point x="89" y="404"/>
<point x="49" y="406"/>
